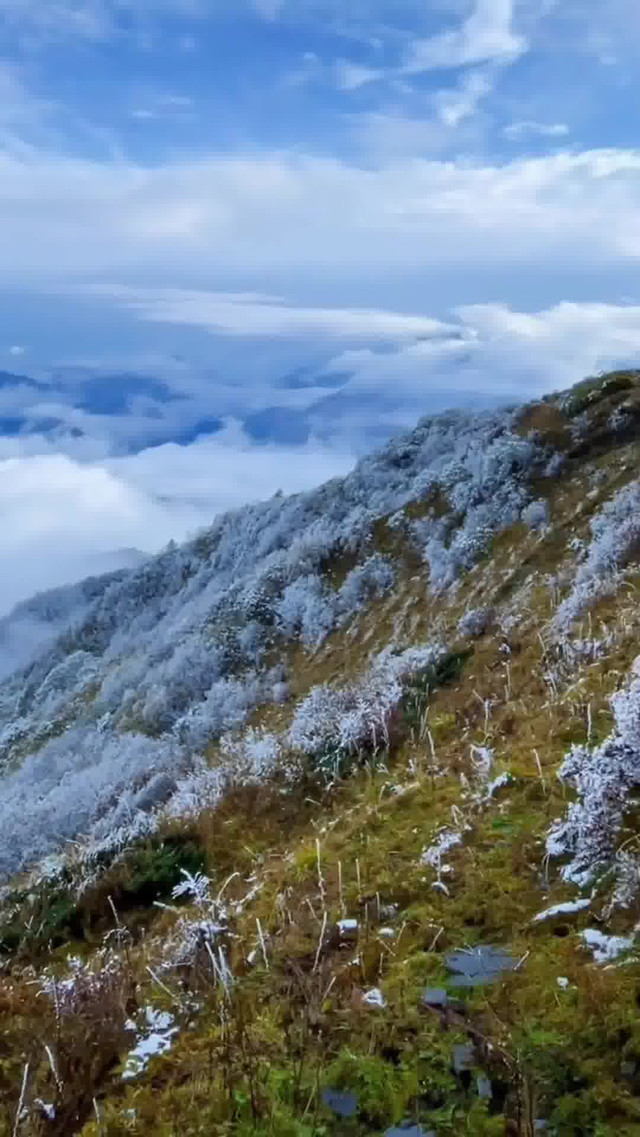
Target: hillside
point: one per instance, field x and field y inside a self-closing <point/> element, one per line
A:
<point x="325" y="821"/>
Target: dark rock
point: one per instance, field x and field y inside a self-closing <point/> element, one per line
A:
<point x="483" y="964"/>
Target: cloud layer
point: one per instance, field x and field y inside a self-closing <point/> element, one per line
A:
<point x="271" y="213"/>
<point x="67" y="502"/>
<point x="242" y="243"/>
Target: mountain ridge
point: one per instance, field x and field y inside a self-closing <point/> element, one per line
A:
<point x="377" y="716"/>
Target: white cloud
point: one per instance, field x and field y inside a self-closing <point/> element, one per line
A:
<point x="60" y="512"/>
<point x="502" y="353"/>
<point x="268" y="9"/>
<point x="486" y="35"/>
<point x="17" y="349"/>
<point x="352" y="76"/>
<point x="517" y="130"/>
<point x="219" y="473"/>
<point x="86" y="19"/>
<point x="461" y="102"/>
<point x="61" y="518"/>
<point x="254" y="315"/>
<point x="275" y="212"/>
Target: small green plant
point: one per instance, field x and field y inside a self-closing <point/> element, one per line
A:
<point x="153" y="870"/>
<point x="443" y="673"/>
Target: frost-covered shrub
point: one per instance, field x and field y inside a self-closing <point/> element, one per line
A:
<point x="245" y="759"/>
<point x="82" y="782"/>
<point x="536" y="514"/>
<point x="332" y="725"/>
<point x="615" y="540"/>
<point x="226" y="706"/>
<point x="487" y="488"/>
<point x="306" y="610"/>
<point x="200" y="941"/>
<point x="554" y="466"/>
<point x="619" y="421"/>
<point x="604" y="779"/>
<point x="254" y="756"/>
<point x="201" y="790"/>
<point x="365" y="582"/>
<point x="475" y="621"/>
<point x="564" y="656"/>
<point x="579" y="426"/>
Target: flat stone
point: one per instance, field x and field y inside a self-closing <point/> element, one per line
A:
<point x="484" y="1087"/>
<point x="462" y="1057"/>
<point x="479" y="965"/>
<point x="435" y="997"/>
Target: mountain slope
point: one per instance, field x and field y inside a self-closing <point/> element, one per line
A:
<point x="347" y="710"/>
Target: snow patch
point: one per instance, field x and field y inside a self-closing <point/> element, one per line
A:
<point x="605" y="948"/>
<point x="567" y="908"/>
<point x="155" y="1038"/>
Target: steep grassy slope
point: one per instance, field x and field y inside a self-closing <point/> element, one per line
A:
<point x="371" y="903"/>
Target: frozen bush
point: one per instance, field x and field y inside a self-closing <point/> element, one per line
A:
<point x="306" y="610"/>
<point x="332" y="725"/>
<point x="475" y="621"/>
<point x="604" y="778"/>
<point x="226" y="706"/>
<point x="200" y="791"/>
<point x="554" y="466"/>
<point x="254" y="756"/>
<point x="615" y="540"/>
<point x="536" y="514"/>
<point x="619" y="421"/>
<point x="365" y="582"/>
<point x="86" y="782"/>
<point x="579" y="426"/>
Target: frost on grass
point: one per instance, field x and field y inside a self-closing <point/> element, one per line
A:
<point x="498" y="783"/>
<point x="374" y="998"/>
<point x="96" y="988"/>
<point x="604" y="778"/>
<point x="434" y="857"/>
<point x="615" y="540"/>
<point x="199" y="939"/>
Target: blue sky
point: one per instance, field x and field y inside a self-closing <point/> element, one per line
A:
<point x="242" y="241"/>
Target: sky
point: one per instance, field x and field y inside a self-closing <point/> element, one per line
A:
<point x="243" y="242"/>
